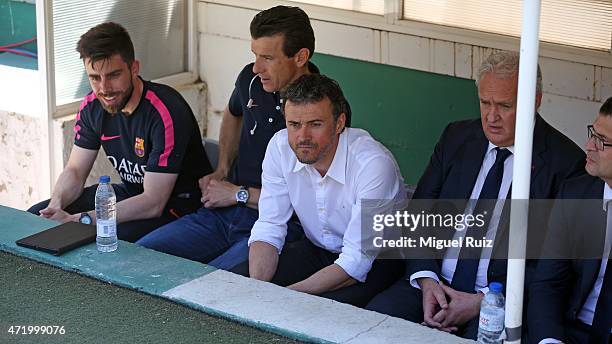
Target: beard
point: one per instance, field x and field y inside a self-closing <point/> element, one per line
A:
<point x="309" y="157"/>
<point x="123" y="97"/>
<point x="314" y="153"/>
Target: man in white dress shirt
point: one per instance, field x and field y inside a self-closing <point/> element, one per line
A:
<point x="322" y="171"/>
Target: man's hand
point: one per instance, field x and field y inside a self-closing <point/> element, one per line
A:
<point x="434" y="301"/>
<point x="219" y="194"/>
<point x="58" y="214"/>
<point x="461" y="309"/>
<point x="204" y="181"/>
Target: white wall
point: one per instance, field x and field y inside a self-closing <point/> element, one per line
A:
<point x="573" y="90"/>
<point x="20" y="91"/>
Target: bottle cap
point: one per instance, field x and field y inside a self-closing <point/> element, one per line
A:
<point x="104" y="179"/>
<point x="496" y="287"/>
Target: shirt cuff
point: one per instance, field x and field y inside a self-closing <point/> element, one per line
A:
<point x="484" y="290"/>
<point x="355" y="265"/>
<point x="422" y="274"/>
<point x="549" y="341"/>
<point x="274" y="236"/>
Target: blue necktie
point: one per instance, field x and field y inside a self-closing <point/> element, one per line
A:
<point x="464" y="278"/>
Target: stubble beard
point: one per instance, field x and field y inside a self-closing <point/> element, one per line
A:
<point x="125" y="98"/>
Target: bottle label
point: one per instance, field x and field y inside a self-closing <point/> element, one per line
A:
<point x="492" y="320"/>
<point x="106" y="228"/>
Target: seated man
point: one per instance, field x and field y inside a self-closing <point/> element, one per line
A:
<point x="148" y="133"/>
<point x="283" y="43"/>
<point x="571" y="299"/>
<point x="322" y="171"/>
<point x="473" y="160"/>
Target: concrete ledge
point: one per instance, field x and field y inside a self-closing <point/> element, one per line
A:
<point x="131" y="266"/>
<point x="298" y="315"/>
<point x="255" y="303"/>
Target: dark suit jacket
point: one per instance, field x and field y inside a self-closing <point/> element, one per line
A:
<point x="456" y="161"/>
<point x="561" y="286"/>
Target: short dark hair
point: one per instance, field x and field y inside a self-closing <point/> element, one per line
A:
<point x="606" y="108"/>
<point x="105" y="40"/>
<point x="312" y="88"/>
<point x="292" y="22"/>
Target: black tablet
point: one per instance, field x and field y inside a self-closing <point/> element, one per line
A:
<point x="60" y="239"/>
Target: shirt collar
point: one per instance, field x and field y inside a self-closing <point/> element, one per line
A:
<point x="492" y="147"/>
<point x="607" y="195"/>
<point x="298" y="165"/>
<point x="337" y="169"/>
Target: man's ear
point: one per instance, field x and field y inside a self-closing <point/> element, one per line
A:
<point x="135" y="67"/>
<point x="301" y="57"/>
<point x="340" y="123"/>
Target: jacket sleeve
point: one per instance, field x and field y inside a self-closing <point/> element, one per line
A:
<point x="549" y="289"/>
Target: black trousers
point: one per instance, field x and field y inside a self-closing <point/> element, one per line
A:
<point x="577" y="332"/>
<point x="132" y="230"/>
<point x="404" y="301"/>
<point x="301" y="259"/>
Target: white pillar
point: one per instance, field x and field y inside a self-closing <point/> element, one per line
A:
<point x="523" y="142"/>
<point x="44" y="44"/>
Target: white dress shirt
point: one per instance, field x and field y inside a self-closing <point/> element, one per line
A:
<point x="449" y="263"/>
<point x="329" y="207"/>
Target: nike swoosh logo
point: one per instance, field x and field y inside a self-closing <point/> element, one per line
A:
<point x="106" y="138"/>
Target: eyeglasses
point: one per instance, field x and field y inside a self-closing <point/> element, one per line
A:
<point x="600" y="143"/>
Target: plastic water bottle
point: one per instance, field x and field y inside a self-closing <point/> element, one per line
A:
<point x="492" y="312"/>
<point x="106" y="222"/>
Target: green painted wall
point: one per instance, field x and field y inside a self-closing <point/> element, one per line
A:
<point x="404" y="109"/>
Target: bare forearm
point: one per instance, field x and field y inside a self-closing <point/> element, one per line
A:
<point x="138" y="208"/>
<point x="229" y="138"/>
<point x="263" y="261"/>
<point x="67" y="189"/>
<point x="329" y="278"/>
<point x="133" y="208"/>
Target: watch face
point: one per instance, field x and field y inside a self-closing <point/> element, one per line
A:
<point x="85" y="219"/>
<point x="242" y="196"/>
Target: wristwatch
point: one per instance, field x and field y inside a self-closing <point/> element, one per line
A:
<point x="242" y="196"/>
<point x="85" y="219"/>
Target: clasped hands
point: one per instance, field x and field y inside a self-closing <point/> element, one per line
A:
<point x="447" y="316"/>
<point x="216" y="192"/>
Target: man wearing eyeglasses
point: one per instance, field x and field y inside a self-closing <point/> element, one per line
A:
<point x="473" y="160"/>
<point x="571" y="296"/>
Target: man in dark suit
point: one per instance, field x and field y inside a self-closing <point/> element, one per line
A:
<point x="473" y="160"/>
<point x="571" y="299"/>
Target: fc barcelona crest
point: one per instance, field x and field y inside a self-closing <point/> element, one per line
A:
<point x="139" y="147"/>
